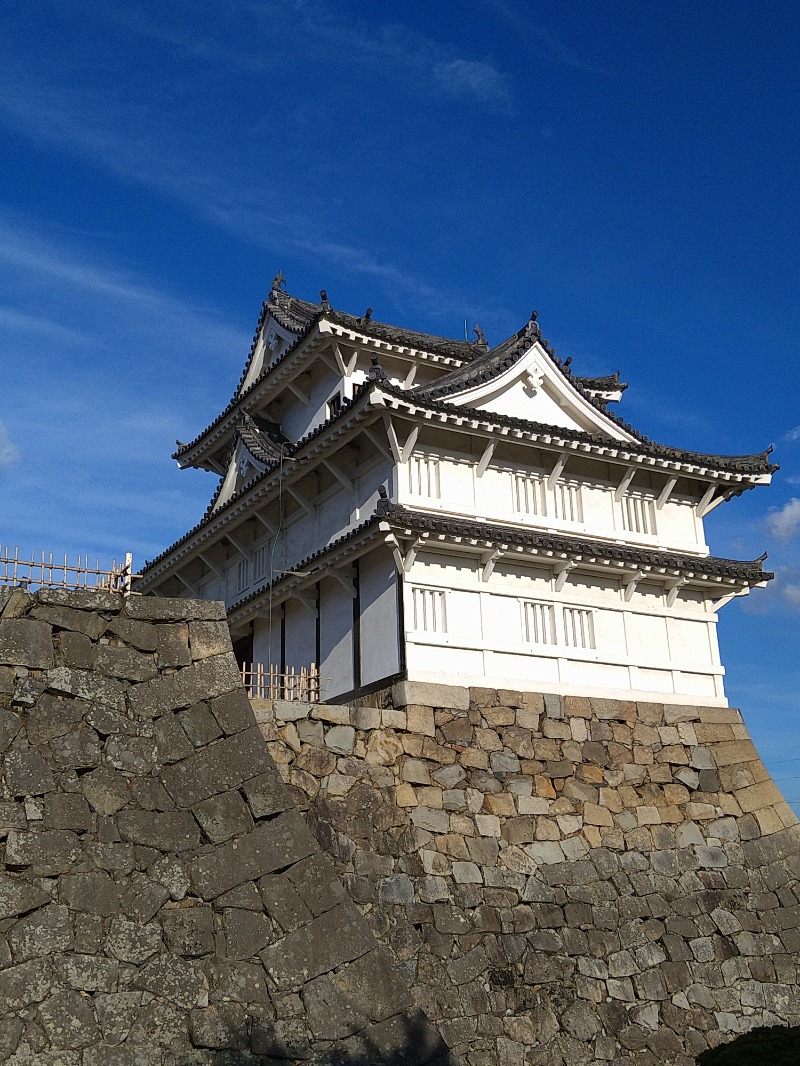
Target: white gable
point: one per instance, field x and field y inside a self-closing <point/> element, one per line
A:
<point x="536" y="390"/>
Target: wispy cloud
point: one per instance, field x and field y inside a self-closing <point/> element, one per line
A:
<point x="9" y="453"/>
<point x="792" y="435"/>
<point x="541" y="38"/>
<point x="782" y="594"/>
<point x="784" y="524"/>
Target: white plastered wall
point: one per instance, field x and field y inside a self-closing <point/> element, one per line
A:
<point x="625" y="648"/>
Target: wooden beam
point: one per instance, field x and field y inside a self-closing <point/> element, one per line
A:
<point x="488" y="561"/>
<point x="212" y="566"/>
<point x="673" y="588"/>
<point x="304" y="598"/>
<point x="666" y="492"/>
<point x="486" y="458"/>
<point x="627" y="478"/>
<point x="304" y="399"/>
<point x="629" y="585"/>
<point x="394" y="443"/>
<point x="378" y="444"/>
<point x="408" y="447"/>
<point x="561" y="572"/>
<point x="705" y="503"/>
<point x="188" y="585"/>
<point x="557" y="470"/>
<point x="239" y="547"/>
<point x="337" y="473"/>
<point x="347" y="581"/>
<point x="293" y="492"/>
<point x="411" y="554"/>
<point x="265" y="522"/>
<point x="408" y="381"/>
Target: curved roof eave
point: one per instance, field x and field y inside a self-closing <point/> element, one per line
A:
<point x="595" y="552"/>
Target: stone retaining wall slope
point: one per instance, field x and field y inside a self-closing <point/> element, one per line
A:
<point x="162" y="901"/>
<point x="561" y="880"/>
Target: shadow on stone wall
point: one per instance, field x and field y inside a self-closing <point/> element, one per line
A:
<point x="162" y="901"/>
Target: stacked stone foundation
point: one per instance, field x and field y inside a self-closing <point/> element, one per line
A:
<point x="162" y="901"/>
<point x="429" y="875"/>
<point x="560" y="880"/>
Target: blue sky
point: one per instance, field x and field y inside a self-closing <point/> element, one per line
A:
<point x="630" y="169"/>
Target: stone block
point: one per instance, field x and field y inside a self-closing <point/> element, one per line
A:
<point x="46" y="853"/>
<point x="199" y="725"/>
<point x="46" y="931"/>
<point x="93" y="892"/>
<point x="168" y="831"/>
<point x="271" y="846"/>
<point x="430" y="695"/>
<point x="173" y="979"/>
<point x="202" y="680"/>
<point x="419" y="719"/>
<point x="397" y="889"/>
<point x="126" y="664"/>
<point x="331" y="713"/>
<point x="336" y="937"/>
<point x="87" y="685"/>
<point x="225" y="764"/>
<point x="175" y="609"/>
<point x="246" y="932"/>
<point x="79" y="750"/>
<point x="68" y="1021"/>
<point x="73" y="649"/>
<point x="19" y="896"/>
<point x="293" y="710"/>
<point x="27" y="774"/>
<point x="432" y="820"/>
<point x="316" y="882"/>
<point x="284" y="903"/>
<point x="26" y="642"/>
<point x="267" y="794"/>
<point x="10" y="725"/>
<point x="224" y="816"/>
<point x="340" y="739"/>
<point x="467" y="873"/>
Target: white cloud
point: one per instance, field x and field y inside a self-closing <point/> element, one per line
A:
<point x="9" y="453"/>
<point x="785" y="523"/>
<point x="792" y="435"/>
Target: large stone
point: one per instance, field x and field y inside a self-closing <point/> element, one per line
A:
<point x="430" y="695"/>
<point x="133" y="942"/>
<point x="106" y="790"/>
<point x="46" y="853"/>
<point x="223" y="765"/>
<point x="18" y="896"/>
<point x="27" y="774"/>
<point x="93" y="892"/>
<point x="189" y="930"/>
<point x="170" y="831"/>
<point x="90" y="623"/>
<point x="271" y="846"/>
<point x="26" y="642"/>
<point x="223" y="817"/>
<point x="166" y="609"/>
<point x="68" y="1020"/>
<point x="124" y="663"/>
<point x="336" y="937"/>
<point x="44" y="932"/>
<point x="202" y="680"/>
<point x="174" y="979"/>
<point x="87" y="685"/>
<point x="10" y="725"/>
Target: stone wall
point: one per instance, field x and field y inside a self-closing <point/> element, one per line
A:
<point x="162" y="902"/>
<point x="561" y="880"/>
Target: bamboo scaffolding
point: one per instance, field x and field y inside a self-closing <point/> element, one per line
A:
<point x="269" y="683"/>
<point x="45" y="570"/>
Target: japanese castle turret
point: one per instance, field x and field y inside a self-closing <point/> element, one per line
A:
<point x="399" y="506"/>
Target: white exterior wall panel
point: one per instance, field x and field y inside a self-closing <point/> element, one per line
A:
<point x="335" y="639"/>
<point x="380" y="646"/>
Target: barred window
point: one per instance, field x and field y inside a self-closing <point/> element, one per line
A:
<point x="529" y="494"/>
<point x="538" y="622"/>
<point x="638" y="514"/>
<point x="578" y="627"/>
<point x="568" y="502"/>
<point x="242" y="574"/>
<point x="429" y="610"/>
<point x="260" y="559"/>
<point x="423" y="476"/>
